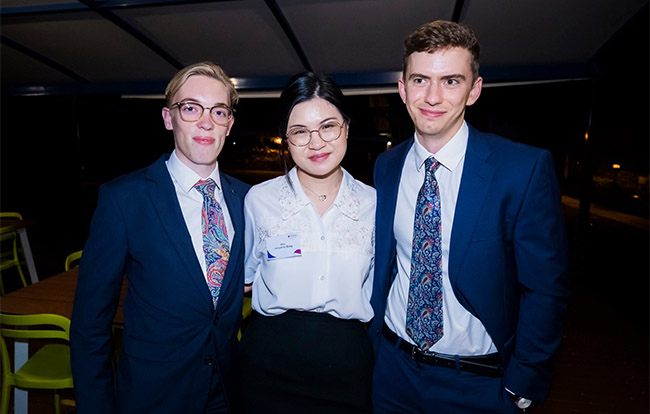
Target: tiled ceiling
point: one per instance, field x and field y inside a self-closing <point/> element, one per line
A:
<point x="135" y="46"/>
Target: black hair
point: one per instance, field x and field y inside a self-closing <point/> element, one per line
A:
<point x="302" y="88"/>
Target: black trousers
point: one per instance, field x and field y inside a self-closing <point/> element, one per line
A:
<point x="305" y="362"/>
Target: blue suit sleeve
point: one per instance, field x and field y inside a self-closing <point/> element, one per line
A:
<point x="96" y="299"/>
<point x="540" y="250"/>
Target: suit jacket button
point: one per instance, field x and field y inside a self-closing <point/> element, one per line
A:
<point x="215" y="320"/>
<point x="208" y="360"/>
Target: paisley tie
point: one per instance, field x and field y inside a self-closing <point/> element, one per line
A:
<point x="215" y="237"/>
<point x="424" y="308"/>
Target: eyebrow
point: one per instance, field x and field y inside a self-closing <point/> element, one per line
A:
<point x="453" y="76"/>
<point x="418" y="75"/>
<point x="445" y="77"/>
<point x="305" y="126"/>
<point x="192" y="100"/>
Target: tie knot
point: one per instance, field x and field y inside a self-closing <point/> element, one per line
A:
<point x="206" y="187"/>
<point x="431" y="164"/>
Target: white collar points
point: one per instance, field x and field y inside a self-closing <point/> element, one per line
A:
<point x="293" y="200"/>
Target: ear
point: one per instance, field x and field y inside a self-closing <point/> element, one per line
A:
<point x="475" y="92"/>
<point x="402" y="89"/>
<point x="167" y="119"/>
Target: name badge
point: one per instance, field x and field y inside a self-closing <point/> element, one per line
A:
<point x="283" y="246"/>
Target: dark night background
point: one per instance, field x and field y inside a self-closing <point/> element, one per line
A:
<point x="55" y="151"/>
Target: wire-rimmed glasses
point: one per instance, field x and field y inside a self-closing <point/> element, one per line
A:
<point x="328" y="132"/>
<point x="192" y="111"/>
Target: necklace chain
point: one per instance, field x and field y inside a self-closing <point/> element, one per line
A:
<point x="323" y="197"/>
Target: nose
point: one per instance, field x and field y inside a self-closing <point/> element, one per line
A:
<point x="433" y="95"/>
<point x="315" y="141"/>
<point x="205" y="122"/>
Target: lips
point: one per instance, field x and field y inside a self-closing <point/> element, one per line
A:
<point x="204" y="140"/>
<point x="431" y="114"/>
<point x="319" y="157"/>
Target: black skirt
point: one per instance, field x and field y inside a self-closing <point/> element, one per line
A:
<point x="305" y="362"/>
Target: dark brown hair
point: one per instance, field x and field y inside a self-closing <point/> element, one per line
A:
<point x="440" y="35"/>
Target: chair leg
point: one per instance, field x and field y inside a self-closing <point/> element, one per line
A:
<point x="6" y="395"/>
<point x="57" y="402"/>
<point x="22" y="275"/>
<point x="20" y="271"/>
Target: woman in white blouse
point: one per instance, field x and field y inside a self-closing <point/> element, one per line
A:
<point x="309" y="257"/>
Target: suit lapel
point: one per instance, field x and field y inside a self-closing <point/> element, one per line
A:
<point x="387" y="184"/>
<point x="234" y="201"/>
<point x="163" y="196"/>
<point x="474" y="184"/>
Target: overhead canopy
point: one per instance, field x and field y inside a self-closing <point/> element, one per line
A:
<point x="135" y="46"/>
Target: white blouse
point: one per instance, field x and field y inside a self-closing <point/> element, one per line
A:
<point x="299" y="260"/>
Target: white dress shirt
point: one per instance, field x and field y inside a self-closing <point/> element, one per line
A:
<point x="463" y="334"/>
<point x="333" y="272"/>
<point x="191" y="201"/>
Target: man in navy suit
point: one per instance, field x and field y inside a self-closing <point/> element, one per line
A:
<point x="477" y="333"/>
<point x="179" y="334"/>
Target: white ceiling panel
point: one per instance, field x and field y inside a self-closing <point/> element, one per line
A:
<point x="91" y="46"/>
<point x="21" y="69"/>
<point x="359" y="35"/>
<point x="242" y="36"/>
<point x="135" y="46"/>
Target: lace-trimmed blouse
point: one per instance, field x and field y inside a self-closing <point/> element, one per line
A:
<point x="333" y="270"/>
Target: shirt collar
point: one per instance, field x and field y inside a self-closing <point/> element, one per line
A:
<point x="449" y="155"/>
<point x="188" y="178"/>
<point x="347" y="200"/>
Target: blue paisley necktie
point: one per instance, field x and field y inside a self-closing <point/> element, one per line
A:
<point x="424" y="308"/>
<point x="215" y="238"/>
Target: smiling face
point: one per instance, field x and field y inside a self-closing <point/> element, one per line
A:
<point x="436" y="89"/>
<point x="318" y="159"/>
<point x="199" y="143"/>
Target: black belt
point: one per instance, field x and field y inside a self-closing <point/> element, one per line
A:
<point x="488" y="365"/>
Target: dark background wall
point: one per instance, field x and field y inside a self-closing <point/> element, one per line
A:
<point x="57" y="150"/>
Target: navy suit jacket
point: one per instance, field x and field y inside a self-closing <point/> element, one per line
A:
<point x="172" y="335"/>
<point x="508" y="254"/>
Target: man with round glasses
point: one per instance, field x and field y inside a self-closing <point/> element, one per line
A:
<point x="175" y="230"/>
<point x="190" y="111"/>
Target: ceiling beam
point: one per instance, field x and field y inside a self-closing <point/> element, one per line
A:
<point x="138" y="35"/>
<point x="288" y="31"/>
<point x="43" y="59"/>
<point x="76" y="6"/>
<point x="458" y="10"/>
<point x="352" y="83"/>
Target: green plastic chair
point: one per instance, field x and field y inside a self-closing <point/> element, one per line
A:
<point x="9" y="257"/>
<point x="71" y="259"/>
<point x="49" y="368"/>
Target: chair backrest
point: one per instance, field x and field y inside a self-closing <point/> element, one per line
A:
<point x="7" y="235"/>
<point x="8" y="232"/>
<point x="11" y="215"/>
<point x="21" y="326"/>
<point x="72" y="257"/>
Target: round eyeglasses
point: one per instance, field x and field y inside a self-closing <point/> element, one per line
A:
<point x="192" y="112"/>
<point x="328" y="132"/>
